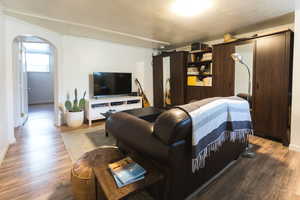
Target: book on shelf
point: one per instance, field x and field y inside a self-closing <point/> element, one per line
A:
<point x="126" y="171"/>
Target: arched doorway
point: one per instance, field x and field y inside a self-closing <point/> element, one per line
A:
<point x="34" y="71"/>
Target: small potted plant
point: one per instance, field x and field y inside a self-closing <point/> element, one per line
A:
<point x="75" y="111"/>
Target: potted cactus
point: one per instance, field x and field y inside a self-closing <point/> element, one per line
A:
<point x="75" y="110"/>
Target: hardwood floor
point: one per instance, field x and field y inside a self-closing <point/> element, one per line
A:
<point x="274" y="174"/>
<point x="38" y="167"/>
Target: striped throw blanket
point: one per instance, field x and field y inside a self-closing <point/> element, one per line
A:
<point x="216" y="120"/>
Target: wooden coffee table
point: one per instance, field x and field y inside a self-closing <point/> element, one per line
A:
<point x="107" y="188"/>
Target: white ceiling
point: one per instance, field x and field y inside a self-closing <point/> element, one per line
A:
<point x="149" y="23"/>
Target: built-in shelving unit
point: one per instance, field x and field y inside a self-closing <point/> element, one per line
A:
<point x="200" y="63"/>
<point x="199" y="68"/>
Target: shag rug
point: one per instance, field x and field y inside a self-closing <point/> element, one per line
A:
<point x="78" y="142"/>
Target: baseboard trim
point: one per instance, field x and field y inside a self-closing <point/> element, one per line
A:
<point x="12" y="140"/>
<point x="3" y="153"/>
<point x="41" y="103"/>
<point x="294" y="147"/>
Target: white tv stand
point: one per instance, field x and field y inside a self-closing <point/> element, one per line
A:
<point x="96" y="107"/>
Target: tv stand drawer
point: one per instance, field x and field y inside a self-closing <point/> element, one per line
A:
<point x="133" y="101"/>
<point x="117" y="103"/>
<point x="100" y="105"/>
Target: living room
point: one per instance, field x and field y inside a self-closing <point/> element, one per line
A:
<point x="135" y="68"/>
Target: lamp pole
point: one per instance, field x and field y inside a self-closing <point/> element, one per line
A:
<point x="238" y="58"/>
<point x="249" y="79"/>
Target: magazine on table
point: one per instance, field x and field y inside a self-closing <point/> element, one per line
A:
<point x="126" y="171"/>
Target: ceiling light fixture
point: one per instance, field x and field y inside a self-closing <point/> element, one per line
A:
<point x="189" y="8"/>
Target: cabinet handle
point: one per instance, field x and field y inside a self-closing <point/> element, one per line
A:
<point x="257" y="86"/>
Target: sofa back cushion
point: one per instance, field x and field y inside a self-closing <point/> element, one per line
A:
<point x="172" y="126"/>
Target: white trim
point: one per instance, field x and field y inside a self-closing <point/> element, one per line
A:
<point x="12" y="140"/>
<point x="294" y="147"/>
<point x="3" y="153"/>
<point x="54" y="70"/>
<point x="85" y="26"/>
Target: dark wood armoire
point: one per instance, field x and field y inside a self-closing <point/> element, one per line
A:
<point x="271" y="81"/>
<point x="177" y="78"/>
<point x="271" y="84"/>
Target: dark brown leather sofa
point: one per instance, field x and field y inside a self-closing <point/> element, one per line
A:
<point x="168" y="142"/>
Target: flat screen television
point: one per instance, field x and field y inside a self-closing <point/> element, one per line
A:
<point x="112" y="83"/>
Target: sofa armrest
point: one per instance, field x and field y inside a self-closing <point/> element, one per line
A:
<point x="137" y="134"/>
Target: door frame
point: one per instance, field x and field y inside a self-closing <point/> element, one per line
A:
<point x="16" y="78"/>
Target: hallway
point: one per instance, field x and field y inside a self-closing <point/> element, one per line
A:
<point x="41" y="113"/>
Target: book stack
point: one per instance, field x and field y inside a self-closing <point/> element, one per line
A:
<point x="126" y="171"/>
<point x="192" y="71"/>
<point x="206" y="57"/>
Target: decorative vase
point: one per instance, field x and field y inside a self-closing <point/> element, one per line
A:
<point x="74" y="119"/>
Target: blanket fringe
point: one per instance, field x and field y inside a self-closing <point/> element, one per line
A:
<point x="239" y="135"/>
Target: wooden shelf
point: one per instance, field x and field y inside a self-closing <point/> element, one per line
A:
<point x="195" y="64"/>
<point x="200" y="86"/>
<point x="201" y="75"/>
<point x="200" y="51"/>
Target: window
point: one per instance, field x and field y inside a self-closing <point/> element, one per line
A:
<point x="37" y="47"/>
<point x="38" y="62"/>
<point x="37" y="57"/>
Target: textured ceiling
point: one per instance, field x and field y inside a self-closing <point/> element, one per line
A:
<point x="149" y="23"/>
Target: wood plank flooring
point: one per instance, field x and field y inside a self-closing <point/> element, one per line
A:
<point x="274" y="174"/>
<point x="38" y="167"/>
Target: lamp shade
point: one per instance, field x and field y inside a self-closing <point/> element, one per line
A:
<point x="237" y="57"/>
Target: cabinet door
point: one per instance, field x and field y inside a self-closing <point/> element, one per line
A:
<point x="178" y="77"/>
<point x="223" y="70"/>
<point x="158" y="81"/>
<point x="198" y="93"/>
<point x="271" y="87"/>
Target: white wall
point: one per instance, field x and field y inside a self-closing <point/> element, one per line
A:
<point x="76" y="58"/>
<point x="13" y="29"/>
<point x="84" y="56"/>
<point x="4" y="141"/>
<point x="295" y="129"/>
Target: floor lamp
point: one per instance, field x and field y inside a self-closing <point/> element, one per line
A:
<point x="238" y="58"/>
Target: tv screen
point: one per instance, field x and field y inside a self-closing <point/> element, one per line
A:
<point x="112" y="83"/>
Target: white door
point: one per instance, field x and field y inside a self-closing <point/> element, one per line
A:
<point x="23" y="86"/>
